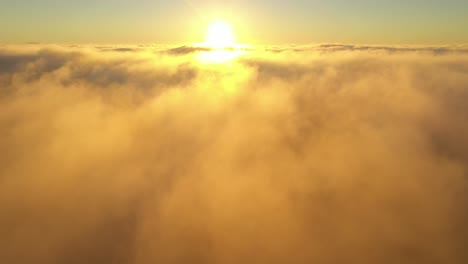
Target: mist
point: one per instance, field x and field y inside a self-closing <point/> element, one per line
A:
<point x="289" y="154"/>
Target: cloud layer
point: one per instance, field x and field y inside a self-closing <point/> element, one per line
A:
<point x="322" y="154"/>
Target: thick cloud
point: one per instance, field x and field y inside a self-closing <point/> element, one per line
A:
<point x="323" y="154"/>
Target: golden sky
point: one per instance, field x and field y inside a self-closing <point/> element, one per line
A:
<point x="264" y="22"/>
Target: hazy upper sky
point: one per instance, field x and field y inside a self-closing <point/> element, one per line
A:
<point x="261" y="21"/>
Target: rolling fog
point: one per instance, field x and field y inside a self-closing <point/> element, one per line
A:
<point x="290" y="154"/>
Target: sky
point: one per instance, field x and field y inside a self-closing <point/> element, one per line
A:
<point x="257" y="22"/>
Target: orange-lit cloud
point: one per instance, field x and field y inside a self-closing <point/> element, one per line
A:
<point x="314" y="154"/>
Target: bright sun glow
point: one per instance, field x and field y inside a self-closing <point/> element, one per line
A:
<point x="219" y="35"/>
<point x="220" y="39"/>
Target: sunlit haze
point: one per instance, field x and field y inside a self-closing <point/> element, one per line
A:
<point x="233" y="132"/>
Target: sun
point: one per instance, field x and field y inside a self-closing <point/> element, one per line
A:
<point x="220" y="35"/>
<point x="220" y="43"/>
